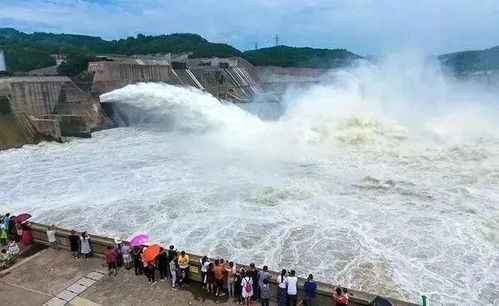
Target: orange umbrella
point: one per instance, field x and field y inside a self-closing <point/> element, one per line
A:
<point x="151" y="252"/>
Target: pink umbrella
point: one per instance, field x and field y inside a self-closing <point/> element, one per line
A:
<point x="23" y="217"/>
<point x="138" y="239"/>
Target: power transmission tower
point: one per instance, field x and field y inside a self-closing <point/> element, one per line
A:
<point x="276" y="40"/>
<point x="256" y="46"/>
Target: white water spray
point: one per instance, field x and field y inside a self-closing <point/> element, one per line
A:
<point x="382" y="180"/>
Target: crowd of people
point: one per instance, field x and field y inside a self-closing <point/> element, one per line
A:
<point x="14" y="235"/>
<point x="219" y="277"/>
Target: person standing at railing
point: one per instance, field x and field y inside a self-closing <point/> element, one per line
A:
<point x="219" y="278"/>
<point x="210" y="278"/>
<point x="262" y="275"/>
<point x="172" y="253"/>
<point x="111" y="257"/>
<point x="3" y="233"/>
<point x="231" y="276"/>
<point x="265" y="292"/>
<point x="238" y="290"/>
<point x="118" y="245"/>
<point x="183" y="264"/>
<point x="26" y="236"/>
<point x="310" y="290"/>
<point x="6" y="222"/>
<point x="162" y="264"/>
<point x="204" y="268"/>
<point x="150" y="272"/>
<point x="291" y="282"/>
<point x="74" y="244"/>
<point x="281" y="283"/>
<point x="137" y="260"/>
<point x="86" y="249"/>
<point x="127" y="257"/>
<point x="339" y="298"/>
<point x="173" y="272"/>
<point x="51" y="237"/>
<point x="247" y="288"/>
<point x="12" y="230"/>
<point x="253" y="273"/>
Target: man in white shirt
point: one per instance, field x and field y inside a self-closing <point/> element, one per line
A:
<point x="291" y="282"/>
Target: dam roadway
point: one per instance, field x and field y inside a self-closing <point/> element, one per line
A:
<point x="44" y="276"/>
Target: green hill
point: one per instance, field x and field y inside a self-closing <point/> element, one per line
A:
<point x="471" y="61"/>
<point x="285" y="56"/>
<point x="26" y="52"/>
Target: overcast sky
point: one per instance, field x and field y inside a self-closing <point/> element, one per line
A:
<point x="367" y="27"/>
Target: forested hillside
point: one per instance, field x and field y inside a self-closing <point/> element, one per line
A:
<point x="285" y="56"/>
<point x="471" y="61"/>
<point x="26" y="52"/>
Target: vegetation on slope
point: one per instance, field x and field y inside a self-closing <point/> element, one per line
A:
<point x="26" y="52"/>
<point x="471" y="61"/>
<point x="285" y="56"/>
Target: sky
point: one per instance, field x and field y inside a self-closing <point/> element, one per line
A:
<point x="366" y="27"/>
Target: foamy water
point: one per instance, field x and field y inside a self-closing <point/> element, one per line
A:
<point x="378" y="185"/>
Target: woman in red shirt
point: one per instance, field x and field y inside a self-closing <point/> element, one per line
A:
<point x="110" y="255"/>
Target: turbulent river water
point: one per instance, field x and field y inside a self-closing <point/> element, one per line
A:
<point x="384" y="179"/>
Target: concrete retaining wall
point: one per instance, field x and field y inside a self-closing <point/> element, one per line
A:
<point x="17" y="130"/>
<point x="50" y="127"/>
<point x="99" y="244"/>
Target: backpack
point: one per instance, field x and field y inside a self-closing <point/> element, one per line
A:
<point x="248" y="286"/>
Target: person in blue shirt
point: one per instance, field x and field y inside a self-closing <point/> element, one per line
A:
<point x="310" y="290"/>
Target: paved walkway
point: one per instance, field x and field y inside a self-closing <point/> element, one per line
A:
<point x="54" y="278"/>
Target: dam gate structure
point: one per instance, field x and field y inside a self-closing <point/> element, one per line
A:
<point x="56" y="107"/>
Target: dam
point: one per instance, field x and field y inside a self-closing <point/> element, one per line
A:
<point x="56" y="107"/>
<point x="364" y="182"/>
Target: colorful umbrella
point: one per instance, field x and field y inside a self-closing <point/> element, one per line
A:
<point x="151" y="252"/>
<point x="138" y="239"/>
<point x="23" y="217"/>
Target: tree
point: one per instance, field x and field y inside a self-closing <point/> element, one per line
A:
<point x="75" y="63"/>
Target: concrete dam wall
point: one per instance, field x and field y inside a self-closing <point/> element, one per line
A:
<point x="55" y="106"/>
<point x="110" y="75"/>
<point x="17" y="130"/>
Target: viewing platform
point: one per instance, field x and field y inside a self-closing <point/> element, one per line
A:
<point x="45" y="276"/>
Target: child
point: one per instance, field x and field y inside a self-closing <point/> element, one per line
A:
<point x="14" y="250"/>
<point x="247" y="288"/>
<point x="51" y="237"/>
<point x="4" y="259"/>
